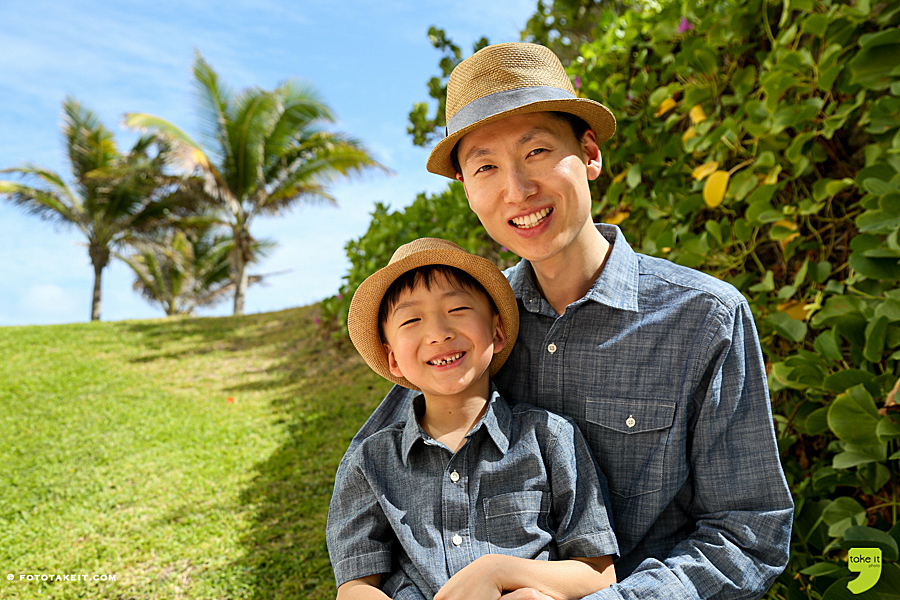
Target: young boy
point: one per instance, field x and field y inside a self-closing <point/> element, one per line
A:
<point x="469" y="496"/>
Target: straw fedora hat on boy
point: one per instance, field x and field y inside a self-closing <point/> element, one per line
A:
<point x="509" y="79"/>
<point x="362" y="321"/>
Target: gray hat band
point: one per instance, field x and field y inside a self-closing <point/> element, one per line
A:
<point x="498" y="102"/>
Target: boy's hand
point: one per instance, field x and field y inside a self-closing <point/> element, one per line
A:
<point x="477" y="581"/>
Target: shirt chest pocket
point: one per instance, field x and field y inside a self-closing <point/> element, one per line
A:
<point x="632" y="436"/>
<point x="516" y="523"/>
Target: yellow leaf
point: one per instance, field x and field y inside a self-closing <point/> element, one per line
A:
<point x="617" y="218"/>
<point x="715" y="187"/>
<point x="620" y="176"/>
<point x="701" y="172"/>
<point x="772" y="177"/>
<point x="690" y="133"/>
<point x="797" y="310"/>
<point x="665" y="106"/>
<point x="786" y="224"/>
<point x="697" y="115"/>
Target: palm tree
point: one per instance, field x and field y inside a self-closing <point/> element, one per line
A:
<point x="262" y="153"/>
<point x="112" y="195"/>
<point x="182" y="269"/>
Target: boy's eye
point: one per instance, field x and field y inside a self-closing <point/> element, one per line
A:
<point x="408" y="322"/>
<point x="459" y="308"/>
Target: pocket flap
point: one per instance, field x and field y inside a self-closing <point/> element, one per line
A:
<point x="630" y="415"/>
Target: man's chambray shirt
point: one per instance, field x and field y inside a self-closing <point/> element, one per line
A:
<point x="524" y="484"/>
<point x="660" y="367"/>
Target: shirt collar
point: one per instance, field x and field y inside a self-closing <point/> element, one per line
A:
<point x="496" y="421"/>
<point x="616" y="287"/>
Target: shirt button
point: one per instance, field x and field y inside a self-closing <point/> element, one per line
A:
<point x="630" y="421"/>
<point x="551" y="348"/>
<point x="454" y="476"/>
<point x="457" y="540"/>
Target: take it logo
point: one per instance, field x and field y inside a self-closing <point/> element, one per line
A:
<point x="867" y="561"/>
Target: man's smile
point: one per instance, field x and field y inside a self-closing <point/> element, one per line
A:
<point x="531" y="220"/>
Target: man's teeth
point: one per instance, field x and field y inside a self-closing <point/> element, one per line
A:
<point x="529" y="221"/>
<point x="446" y="360"/>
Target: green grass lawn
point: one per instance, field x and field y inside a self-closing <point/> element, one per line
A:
<point x="121" y="455"/>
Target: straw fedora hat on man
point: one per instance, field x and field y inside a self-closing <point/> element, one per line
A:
<point x="362" y="321"/>
<point x="509" y="79"/>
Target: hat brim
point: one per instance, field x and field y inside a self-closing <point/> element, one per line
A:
<point x="599" y="118"/>
<point x="362" y="320"/>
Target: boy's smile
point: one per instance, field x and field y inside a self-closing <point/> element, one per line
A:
<point x="442" y="339"/>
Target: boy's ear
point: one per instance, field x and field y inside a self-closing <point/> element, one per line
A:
<point x="393" y="367"/>
<point x="499" y="335"/>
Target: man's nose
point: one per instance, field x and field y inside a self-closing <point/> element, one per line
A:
<point x="519" y="184"/>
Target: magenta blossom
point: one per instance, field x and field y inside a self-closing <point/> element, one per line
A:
<point x="503" y="249"/>
<point x="577" y="82"/>
<point x="684" y="25"/>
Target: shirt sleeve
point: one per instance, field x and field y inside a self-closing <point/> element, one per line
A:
<point x="359" y="537"/>
<point x="742" y="506"/>
<point x="391" y="410"/>
<point x="580" y="497"/>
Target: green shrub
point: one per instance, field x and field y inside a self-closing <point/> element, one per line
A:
<point x="760" y="142"/>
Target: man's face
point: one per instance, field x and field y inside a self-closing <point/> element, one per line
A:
<point x="526" y="178"/>
<point x="443" y="339"/>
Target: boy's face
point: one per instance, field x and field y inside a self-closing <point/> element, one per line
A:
<point x="526" y="178"/>
<point x="442" y="339"/>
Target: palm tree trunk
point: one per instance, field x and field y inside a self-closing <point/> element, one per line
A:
<point x="95" y="301"/>
<point x="240" y="290"/>
<point x="241" y="278"/>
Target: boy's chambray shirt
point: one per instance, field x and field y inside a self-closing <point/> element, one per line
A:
<point x="524" y="484"/>
<point x="660" y="367"/>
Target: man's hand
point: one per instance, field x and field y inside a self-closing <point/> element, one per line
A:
<point x="477" y="581"/>
<point x="526" y="594"/>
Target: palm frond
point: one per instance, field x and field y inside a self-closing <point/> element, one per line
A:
<point x="89" y="144"/>
<point x="215" y="99"/>
<point x="46" y="204"/>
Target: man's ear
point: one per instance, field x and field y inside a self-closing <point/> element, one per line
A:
<point x="393" y="367"/>
<point x="593" y="159"/>
<point x="499" y="335"/>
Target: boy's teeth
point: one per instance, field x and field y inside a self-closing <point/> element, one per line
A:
<point x="446" y="360"/>
<point x="529" y="221"/>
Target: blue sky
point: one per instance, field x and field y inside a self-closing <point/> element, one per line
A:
<point x="369" y="59"/>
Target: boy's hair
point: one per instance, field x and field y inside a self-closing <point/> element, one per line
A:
<point x="579" y="127"/>
<point x="425" y="275"/>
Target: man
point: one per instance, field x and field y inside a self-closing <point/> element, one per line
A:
<point x="659" y="365"/>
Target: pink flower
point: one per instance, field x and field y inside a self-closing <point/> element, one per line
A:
<point x="317" y="320"/>
<point x="577" y="82"/>
<point x="684" y="25"/>
<point x="340" y="296"/>
<point x="503" y="249"/>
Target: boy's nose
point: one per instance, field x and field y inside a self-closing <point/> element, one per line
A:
<point x="440" y="333"/>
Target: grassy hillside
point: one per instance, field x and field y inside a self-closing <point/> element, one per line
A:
<point x="122" y="455"/>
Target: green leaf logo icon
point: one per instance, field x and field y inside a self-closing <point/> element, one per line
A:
<point x="867" y="561"/>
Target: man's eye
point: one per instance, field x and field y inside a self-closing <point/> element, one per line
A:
<point x="484" y="168"/>
<point x="537" y="151"/>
